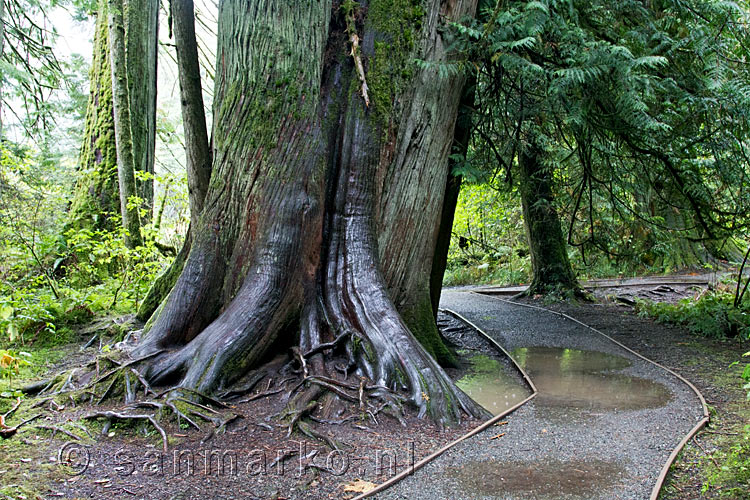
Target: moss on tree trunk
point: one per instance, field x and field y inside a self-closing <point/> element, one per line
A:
<point x="321" y="217"/>
<point x="97" y="197"/>
<point x="551" y="269"/>
<point x="141" y="39"/>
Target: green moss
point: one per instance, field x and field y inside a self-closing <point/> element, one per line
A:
<point x="96" y="196"/>
<point x="397" y="24"/>
<point x="421" y="322"/>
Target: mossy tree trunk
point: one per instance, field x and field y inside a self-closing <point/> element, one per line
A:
<point x="198" y="152"/>
<point x="123" y="134"/>
<point x="97" y="197"/>
<point x="321" y="217"/>
<point x="551" y="269"/>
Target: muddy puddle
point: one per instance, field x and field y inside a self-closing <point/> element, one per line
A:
<point x="572" y="378"/>
<point x="538" y="480"/>
<point x="489" y="384"/>
<point x="565" y="378"/>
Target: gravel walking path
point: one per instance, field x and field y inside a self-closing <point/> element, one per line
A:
<point x="603" y="425"/>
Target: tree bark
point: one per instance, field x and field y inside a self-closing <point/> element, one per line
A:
<point x="122" y="122"/>
<point x="550" y="265"/>
<point x="312" y="197"/>
<point x="193" y="117"/>
<point x="141" y="40"/>
<point x="96" y="195"/>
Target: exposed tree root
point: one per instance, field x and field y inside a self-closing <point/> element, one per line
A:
<point x="54" y="430"/>
<point x="111" y="415"/>
<point x="5" y="430"/>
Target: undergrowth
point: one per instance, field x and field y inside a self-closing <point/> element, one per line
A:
<point x="713" y="314"/>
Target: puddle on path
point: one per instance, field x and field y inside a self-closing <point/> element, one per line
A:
<point x="538" y="480"/>
<point x="571" y="378"/>
<point x="489" y="384"/>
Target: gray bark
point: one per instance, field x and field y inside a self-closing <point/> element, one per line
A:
<point x="191" y="96"/>
<point x="123" y="135"/>
<point x="141" y="39"/>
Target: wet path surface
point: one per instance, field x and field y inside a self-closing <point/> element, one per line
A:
<point x="601" y="428"/>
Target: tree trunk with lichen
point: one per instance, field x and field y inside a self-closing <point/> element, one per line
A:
<point x="142" y="36"/>
<point x="129" y="211"/>
<point x="551" y="269"/>
<point x="321" y="217"/>
<point x="96" y="196"/>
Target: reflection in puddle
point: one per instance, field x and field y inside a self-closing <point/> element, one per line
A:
<point x="534" y="480"/>
<point x="582" y="379"/>
<point x="489" y="384"/>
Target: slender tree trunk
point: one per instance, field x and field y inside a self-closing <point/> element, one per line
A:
<point x="321" y="218"/>
<point x="549" y="257"/>
<point x="198" y="153"/>
<point x="96" y="196"/>
<point x="193" y="117"/>
<point x="141" y="40"/>
<point x="123" y="137"/>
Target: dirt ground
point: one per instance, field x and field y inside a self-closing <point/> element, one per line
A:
<point x="127" y="461"/>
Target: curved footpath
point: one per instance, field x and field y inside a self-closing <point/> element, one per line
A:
<point x="602" y="426"/>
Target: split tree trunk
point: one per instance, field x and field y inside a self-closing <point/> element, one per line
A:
<point x="321" y="217"/>
<point x="550" y="265"/>
<point x="461" y="138"/>
<point x="123" y="133"/>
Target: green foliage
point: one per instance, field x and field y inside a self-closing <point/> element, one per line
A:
<point x="640" y="111"/>
<point x="713" y="314"/>
<point x="487" y="244"/>
<point x="732" y="475"/>
<point x="746" y="376"/>
<point x="51" y="282"/>
<point x="11" y="363"/>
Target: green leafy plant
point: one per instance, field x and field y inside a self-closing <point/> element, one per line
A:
<point x="11" y="362"/>
<point x="746" y="376"/>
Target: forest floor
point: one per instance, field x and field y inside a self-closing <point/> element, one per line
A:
<point x="127" y="461"/>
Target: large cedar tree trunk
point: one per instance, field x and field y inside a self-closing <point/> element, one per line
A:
<point x="551" y="269"/>
<point x="97" y="197"/>
<point x="321" y="217"/>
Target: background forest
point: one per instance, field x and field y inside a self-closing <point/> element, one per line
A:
<point x="596" y="139"/>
